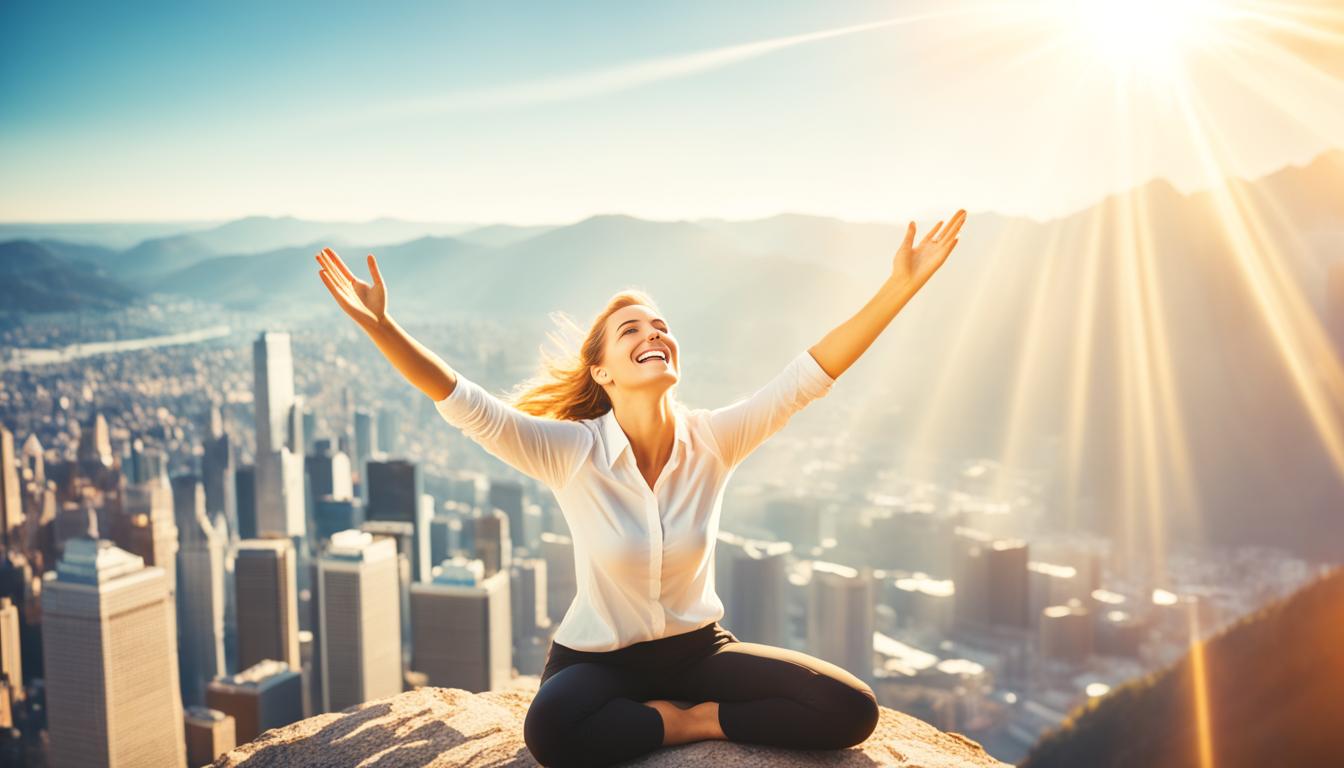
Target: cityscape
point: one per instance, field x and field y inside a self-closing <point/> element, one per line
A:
<point x="231" y="535"/>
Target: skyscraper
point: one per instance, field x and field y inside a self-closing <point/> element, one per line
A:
<point x="395" y="488"/>
<point x="366" y="449"/>
<point x="111" y="660"/>
<point x="153" y="531"/>
<point x="279" y="467"/>
<point x="1008" y="583"/>
<point x="218" y="474"/>
<point x="11" y="504"/>
<point x="749" y="577"/>
<point x="561" y="578"/>
<point x="490" y="540"/>
<point x="507" y="497"/>
<point x="268" y="613"/>
<point x="200" y="589"/>
<point x="462" y="632"/>
<point x="359" y="610"/>
<point x="840" y="617"/>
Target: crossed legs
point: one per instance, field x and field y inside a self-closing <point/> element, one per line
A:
<point x="598" y="714"/>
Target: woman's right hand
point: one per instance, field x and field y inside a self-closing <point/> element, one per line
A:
<point x="367" y="304"/>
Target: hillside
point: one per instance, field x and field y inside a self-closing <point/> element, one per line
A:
<point x="1273" y="686"/>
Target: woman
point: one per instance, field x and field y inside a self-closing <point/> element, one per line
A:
<point x="640" y="480"/>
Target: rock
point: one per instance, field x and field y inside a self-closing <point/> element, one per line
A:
<point x="441" y="727"/>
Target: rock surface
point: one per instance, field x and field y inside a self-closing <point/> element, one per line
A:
<point x="443" y="727"/>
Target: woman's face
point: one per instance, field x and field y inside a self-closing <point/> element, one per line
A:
<point x="633" y="331"/>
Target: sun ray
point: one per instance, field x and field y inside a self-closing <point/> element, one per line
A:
<point x="1284" y="310"/>
<point x="1084" y="350"/>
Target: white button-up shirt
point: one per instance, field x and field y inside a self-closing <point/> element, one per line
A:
<point x="643" y="557"/>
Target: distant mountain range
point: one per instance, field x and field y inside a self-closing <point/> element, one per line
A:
<point x="38" y="278"/>
<point x="1020" y="304"/>
<point x="1271" y="683"/>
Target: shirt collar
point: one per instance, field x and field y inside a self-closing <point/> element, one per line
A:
<point x="613" y="437"/>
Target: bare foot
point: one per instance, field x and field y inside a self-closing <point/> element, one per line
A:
<point x="674" y="718"/>
<point x="683" y="724"/>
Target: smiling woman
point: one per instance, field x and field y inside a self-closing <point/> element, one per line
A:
<point x="640" y="481"/>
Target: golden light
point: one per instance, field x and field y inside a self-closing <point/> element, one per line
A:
<point x="1147" y="35"/>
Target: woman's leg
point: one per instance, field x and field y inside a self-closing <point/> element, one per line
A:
<point x="590" y="714"/>
<point x="777" y="696"/>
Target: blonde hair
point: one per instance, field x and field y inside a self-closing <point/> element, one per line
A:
<point x="563" y="388"/>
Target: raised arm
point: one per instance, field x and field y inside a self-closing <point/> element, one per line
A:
<point x="911" y="268"/>
<point x="548" y="450"/>
<point x="741" y="427"/>
<point x="366" y="304"/>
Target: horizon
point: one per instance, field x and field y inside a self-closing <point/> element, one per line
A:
<point x="599" y="214"/>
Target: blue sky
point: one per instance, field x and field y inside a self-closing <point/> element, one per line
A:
<point x="546" y="113"/>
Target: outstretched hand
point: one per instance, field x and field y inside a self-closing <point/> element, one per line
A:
<point x="915" y="265"/>
<point x="366" y="303"/>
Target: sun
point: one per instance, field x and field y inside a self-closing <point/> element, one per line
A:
<point x="1139" y="36"/>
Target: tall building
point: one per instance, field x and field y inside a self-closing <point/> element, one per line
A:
<point x="366" y="449"/>
<point x="395" y="488"/>
<point x="329" y="472"/>
<point x="970" y="576"/>
<point x="1008" y="593"/>
<point x="200" y="589"/>
<point x="153" y="532"/>
<point x="749" y="577"/>
<point x="561" y="576"/>
<point x="11" y="651"/>
<point x="532" y="628"/>
<point x="359" y="620"/>
<point x="218" y="473"/>
<point x="268" y="613"/>
<point x="279" y="481"/>
<point x="11" y="502"/>
<point x="108" y="638"/>
<point x="331" y="515"/>
<point x="389" y="431"/>
<point x="490" y="540"/>
<point x="507" y="497"/>
<point x="266" y="695"/>
<point x="462" y="631"/>
<point x="245" y="498"/>
<point x="840" y="617"/>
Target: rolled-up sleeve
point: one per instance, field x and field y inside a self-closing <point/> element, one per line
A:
<point x="548" y="450"/>
<point x="741" y="427"/>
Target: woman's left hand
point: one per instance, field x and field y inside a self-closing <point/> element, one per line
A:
<point x="913" y="266"/>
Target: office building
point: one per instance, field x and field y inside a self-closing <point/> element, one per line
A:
<point x="359" y="630"/>
<point x="110" y="648"/>
<point x="462" y="632"/>
<point x="268" y="615"/>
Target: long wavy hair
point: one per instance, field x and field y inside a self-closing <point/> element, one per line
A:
<point x="563" y="387"/>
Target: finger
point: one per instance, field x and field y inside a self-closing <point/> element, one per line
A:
<point x="341" y="264"/>
<point x="909" y="236"/>
<point x="336" y="292"/>
<point x="338" y="277"/>
<point x="373" y="270"/>
<point x="930" y="234"/>
<point x="955" y="226"/>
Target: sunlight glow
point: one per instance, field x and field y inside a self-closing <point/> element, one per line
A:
<point x="1146" y="35"/>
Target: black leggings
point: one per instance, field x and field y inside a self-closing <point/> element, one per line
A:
<point x="588" y="710"/>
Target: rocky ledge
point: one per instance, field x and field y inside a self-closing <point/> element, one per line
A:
<point x="442" y="727"/>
